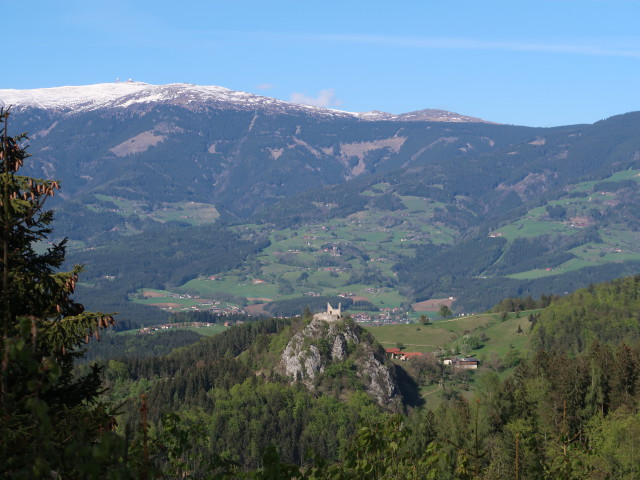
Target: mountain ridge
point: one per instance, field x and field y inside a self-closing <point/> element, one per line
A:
<point x="147" y="160"/>
<point x="424" y="115"/>
<point x="75" y="99"/>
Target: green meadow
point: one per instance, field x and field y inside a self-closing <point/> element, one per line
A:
<point x="207" y="331"/>
<point x="499" y="338"/>
<point x="192" y="213"/>
<point x="415" y="337"/>
<point x="501" y="335"/>
<point x="231" y="284"/>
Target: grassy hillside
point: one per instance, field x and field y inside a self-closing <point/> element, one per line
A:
<point x="370" y="254"/>
<point x="352" y="255"/>
<point x="496" y="336"/>
<point x="586" y="205"/>
<point x="499" y="343"/>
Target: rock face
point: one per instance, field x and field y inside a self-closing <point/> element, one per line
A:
<point x="322" y="345"/>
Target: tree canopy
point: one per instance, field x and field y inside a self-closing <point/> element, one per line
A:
<point x="51" y="418"/>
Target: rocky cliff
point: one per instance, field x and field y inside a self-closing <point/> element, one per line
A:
<point x="325" y="350"/>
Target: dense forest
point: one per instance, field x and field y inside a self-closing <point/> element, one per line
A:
<point x="570" y="407"/>
<point x="115" y="346"/>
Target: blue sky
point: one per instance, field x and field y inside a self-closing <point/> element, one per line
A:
<point x="538" y="63"/>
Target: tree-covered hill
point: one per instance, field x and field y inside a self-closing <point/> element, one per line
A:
<point x="238" y="160"/>
<point x="238" y="378"/>
<point x="570" y="404"/>
<point x="608" y="313"/>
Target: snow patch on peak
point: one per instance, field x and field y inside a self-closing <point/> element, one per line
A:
<point x="427" y="115"/>
<point x="87" y="97"/>
<point x="74" y="99"/>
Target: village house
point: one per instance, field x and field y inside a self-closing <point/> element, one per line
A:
<point x="467" y="363"/>
<point x="397" y="354"/>
<point x="394" y="353"/>
<point x="407" y="355"/>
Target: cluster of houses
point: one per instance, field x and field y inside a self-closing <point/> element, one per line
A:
<point x="466" y="363"/>
<point x="361" y="317"/>
<point x="226" y="310"/>
<point x="168" y="326"/>
<point x="378" y="259"/>
<point x="384" y="318"/>
<point x="333" y="251"/>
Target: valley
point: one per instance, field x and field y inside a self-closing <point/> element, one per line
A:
<point x="388" y="210"/>
<point x="355" y="256"/>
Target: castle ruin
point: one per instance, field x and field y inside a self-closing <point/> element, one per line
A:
<point x="331" y="315"/>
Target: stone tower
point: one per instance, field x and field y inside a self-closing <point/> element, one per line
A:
<point x="331" y="315"/>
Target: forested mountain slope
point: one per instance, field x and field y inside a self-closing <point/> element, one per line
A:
<point x="525" y="210"/>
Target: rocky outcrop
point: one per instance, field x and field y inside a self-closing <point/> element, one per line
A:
<point x="323" y="344"/>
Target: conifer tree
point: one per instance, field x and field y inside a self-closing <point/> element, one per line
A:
<point x="50" y="418"/>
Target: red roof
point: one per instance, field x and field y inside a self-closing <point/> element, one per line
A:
<point x="394" y="351"/>
<point x="412" y="354"/>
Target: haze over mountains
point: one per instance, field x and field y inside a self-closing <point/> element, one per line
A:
<point x="485" y="210"/>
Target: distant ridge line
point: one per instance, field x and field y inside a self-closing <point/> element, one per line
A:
<point x="73" y="99"/>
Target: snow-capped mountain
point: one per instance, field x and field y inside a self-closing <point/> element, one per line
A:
<point x="427" y="115"/>
<point x="241" y="152"/>
<point x="130" y="94"/>
<point x="75" y="99"/>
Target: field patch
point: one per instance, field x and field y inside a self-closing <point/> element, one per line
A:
<point x="208" y="331"/>
<point x="153" y="294"/>
<point x="504" y="336"/>
<point x="357" y="298"/>
<point x="461" y="325"/>
<point x="256" y="309"/>
<point x="166" y="305"/>
<point x="415" y="337"/>
<point x="193" y="213"/>
<point x="432" y="305"/>
<point x="232" y="285"/>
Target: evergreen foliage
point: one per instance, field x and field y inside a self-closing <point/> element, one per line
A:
<point x="52" y="422"/>
<point x="160" y="343"/>
<point x="609" y="312"/>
